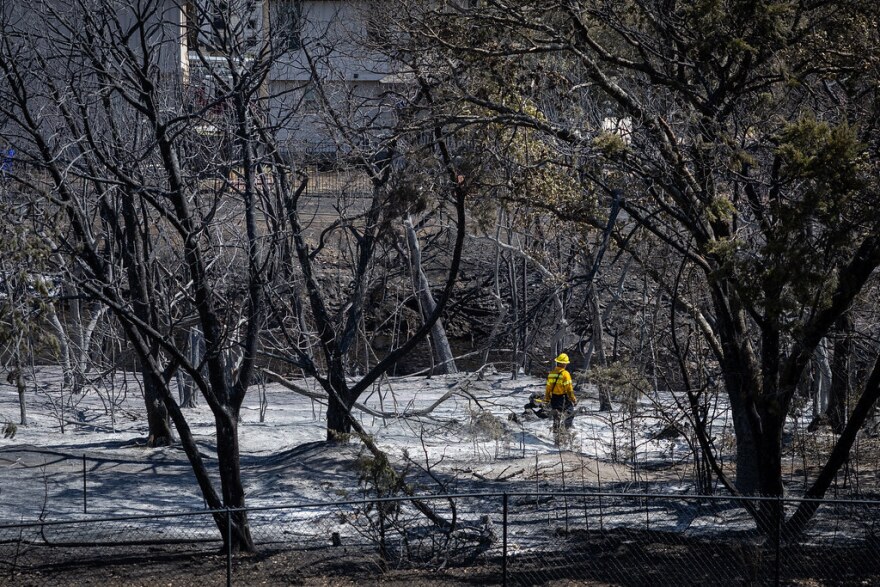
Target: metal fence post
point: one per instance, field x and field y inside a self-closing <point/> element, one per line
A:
<point x="228" y="547"/>
<point x="85" y="500"/>
<point x="780" y="514"/>
<point x="504" y="540"/>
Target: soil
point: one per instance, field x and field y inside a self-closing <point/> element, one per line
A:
<point x="582" y="558"/>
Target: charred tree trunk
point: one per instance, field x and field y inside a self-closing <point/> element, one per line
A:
<point x="229" y="464"/>
<point x="597" y="345"/>
<point x="821" y="374"/>
<point x="340" y="401"/>
<point x="338" y="425"/>
<point x="741" y="379"/>
<point x="157" y="412"/>
<point x="501" y="309"/>
<point x="770" y="512"/>
<point x="747" y="478"/>
<point x="134" y="258"/>
<point x="17" y="376"/>
<point x="840" y="374"/>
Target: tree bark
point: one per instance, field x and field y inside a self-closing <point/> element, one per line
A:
<point x="597" y="343"/>
<point x="187" y="391"/>
<point x="157" y="413"/>
<point x="17" y="376"/>
<point x="143" y="290"/>
<point x="444" y="360"/>
<point x="229" y="465"/>
<point x="840" y="373"/>
<point x="821" y="380"/>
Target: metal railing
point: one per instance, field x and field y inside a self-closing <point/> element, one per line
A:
<point x="494" y="538"/>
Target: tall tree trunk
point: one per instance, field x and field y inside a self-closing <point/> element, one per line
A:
<point x="134" y="260"/>
<point x="523" y="329"/>
<point x="339" y="403"/>
<point x="18" y="376"/>
<point x="501" y="309"/>
<point x="76" y="336"/>
<point x="822" y="380"/>
<point x="85" y="335"/>
<point x="338" y="425"/>
<point x="157" y="413"/>
<point x="840" y="373"/>
<point x="63" y="346"/>
<point x="770" y="513"/>
<point x="186" y="387"/>
<point x="597" y="345"/>
<point x="445" y="362"/>
<point x="229" y="465"/>
<point x="747" y="477"/>
<point x="518" y="313"/>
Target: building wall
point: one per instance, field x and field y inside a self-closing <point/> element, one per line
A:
<point x="331" y="58"/>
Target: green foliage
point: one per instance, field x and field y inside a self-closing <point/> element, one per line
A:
<point x="515" y="157"/>
<point x="610" y="144"/>
<point x="526" y="161"/>
<point x="818" y="216"/>
<point x="725" y="251"/>
<point x="829" y="157"/>
<point x="737" y="27"/>
<point x="721" y="209"/>
<point x="822" y="172"/>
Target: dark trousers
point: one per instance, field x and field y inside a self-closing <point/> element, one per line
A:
<point x="561" y="405"/>
<point x="560" y="402"/>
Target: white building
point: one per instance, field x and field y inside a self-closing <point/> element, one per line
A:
<point x="322" y="62"/>
<point x="319" y="50"/>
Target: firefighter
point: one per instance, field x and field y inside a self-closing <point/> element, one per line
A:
<point x="559" y="394"/>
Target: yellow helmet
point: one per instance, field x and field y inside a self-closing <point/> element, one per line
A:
<point x="562" y="359"/>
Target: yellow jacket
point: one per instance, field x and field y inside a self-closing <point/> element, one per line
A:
<point x="559" y="383"/>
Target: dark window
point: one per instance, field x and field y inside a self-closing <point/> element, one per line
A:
<point x="311" y="101"/>
<point x="206" y="25"/>
<point x="288" y="23"/>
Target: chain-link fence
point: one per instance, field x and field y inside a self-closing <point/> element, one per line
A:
<point x="339" y="183"/>
<point x="497" y="539"/>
